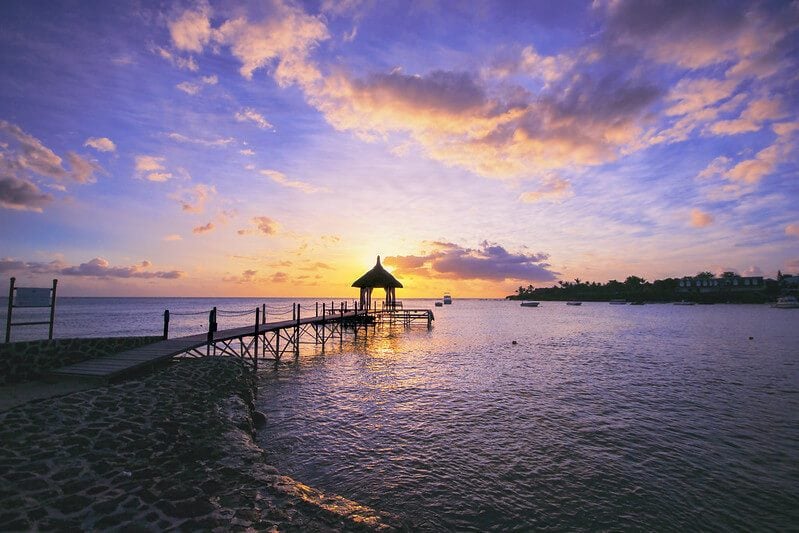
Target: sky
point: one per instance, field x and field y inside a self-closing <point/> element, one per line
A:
<point x="275" y="148"/>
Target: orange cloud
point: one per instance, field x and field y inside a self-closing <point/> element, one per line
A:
<point x="700" y="219"/>
<point x="792" y="230"/>
<point x="204" y="229"/>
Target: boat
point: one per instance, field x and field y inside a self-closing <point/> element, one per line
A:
<point x="447" y="298"/>
<point x="618" y="302"/>
<point x="637" y="303"/>
<point x="786" y="302"/>
<point x="439" y="304"/>
<point x="530" y="304"/>
<point x="683" y="302"/>
<point x="574" y="303"/>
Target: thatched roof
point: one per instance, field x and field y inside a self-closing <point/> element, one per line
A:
<point x="377" y="277"/>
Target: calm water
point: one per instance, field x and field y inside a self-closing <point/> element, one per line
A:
<point x="600" y="417"/>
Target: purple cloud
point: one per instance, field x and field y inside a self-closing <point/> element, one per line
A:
<point x="488" y="262"/>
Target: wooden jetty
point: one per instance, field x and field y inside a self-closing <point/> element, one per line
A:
<point x="260" y="342"/>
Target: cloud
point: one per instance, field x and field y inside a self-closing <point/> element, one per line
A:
<point x="490" y="262"/>
<point x="317" y="266"/>
<point x="179" y="137"/>
<point x="22" y="195"/>
<point x="554" y="189"/>
<point x="82" y="170"/>
<point x="189" y="87"/>
<point x="792" y="230"/>
<point x="204" y="229"/>
<point x="151" y="168"/>
<point x="700" y="219"/>
<point x="183" y="63"/>
<point x="193" y="200"/>
<point x="23" y="155"/>
<point x="193" y="88"/>
<point x="101" y="268"/>
<point x="173" y="237"/>
<point x="279" y="277"/>
<point x="102" y="144"/>
<point x="247" y="152"/>
<point x="693" y="35"/>
<point x="191" y="31"/>
<point x="250" y="115"/>
<point x="281" y="179"/>
<point x="751" y="119"/>
<point x="752" y="271"/>
<point x="549" y="69"/>
<point x="248" y="276"/>
<point x="266" y="225"/>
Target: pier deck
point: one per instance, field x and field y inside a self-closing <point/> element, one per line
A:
<point x="246" y="339"/>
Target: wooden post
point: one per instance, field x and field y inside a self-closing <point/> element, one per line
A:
<point x="297" y="334"/>
<point x="166" y="324"/>
<point x="211" y="329"/>
<point x="257" y="333"/>
<point x="294" y="311"/>
<point x="263" y="313"/>
<point x="317" y="309"/>
<point x="52" y="310"/>
<point x="341" y="325"/>
<point x="10" y="307"/>
<point x="324" y="326"/>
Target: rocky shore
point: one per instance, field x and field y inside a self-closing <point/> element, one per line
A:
<point x="171" y="450"/>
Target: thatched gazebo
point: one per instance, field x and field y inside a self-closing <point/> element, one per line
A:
<point x="377" y="277"/>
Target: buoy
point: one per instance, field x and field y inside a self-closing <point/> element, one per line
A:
<point x="514" y="342"/>
<point x="750" y="338"/>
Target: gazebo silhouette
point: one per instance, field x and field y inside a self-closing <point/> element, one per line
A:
<point x="377" y="277"/>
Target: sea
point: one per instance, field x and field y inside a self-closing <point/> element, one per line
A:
<point x="508" y="418"/>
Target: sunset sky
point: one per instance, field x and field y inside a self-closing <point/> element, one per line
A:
<point x="276" y="148"/>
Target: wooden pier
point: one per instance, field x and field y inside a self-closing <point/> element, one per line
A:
<point x="258" y="343"/>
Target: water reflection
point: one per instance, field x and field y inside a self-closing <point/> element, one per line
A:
<point x="600" y="417"/>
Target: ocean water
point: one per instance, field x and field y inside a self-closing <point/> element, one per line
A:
<point x="120" y="317"/>
<point x="600" y="417"/>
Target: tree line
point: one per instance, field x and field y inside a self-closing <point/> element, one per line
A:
<point x="638" y="289"/>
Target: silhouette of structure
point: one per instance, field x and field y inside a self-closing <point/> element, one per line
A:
<point x="378" y="277"/>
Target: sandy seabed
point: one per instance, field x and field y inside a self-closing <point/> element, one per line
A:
<point x="171" y="450"/>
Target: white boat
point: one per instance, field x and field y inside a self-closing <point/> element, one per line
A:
<point x="574" y="303"/>
<point x="683" y="302"/>
<point x="530" y="304"/>
<point x="618" y="302"/>
<point x="786" y="302"/>
<point x="447" y="298"/>
<point x="439" y="304"/>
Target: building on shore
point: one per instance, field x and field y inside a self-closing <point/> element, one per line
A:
<point x="726" y="283"/>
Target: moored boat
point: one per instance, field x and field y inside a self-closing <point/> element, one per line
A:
<point x="618" y="302"/>
<point x="683" y="302"/>
<point x="530" y="304"/>
<point x="439" y="304"/>
<point x="786" y="302"/>
<point x="447" y="298"/>
<point x="574" y="303"/>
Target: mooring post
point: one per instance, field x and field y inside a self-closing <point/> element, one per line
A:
<point x="341" y="325"/>
<point x="211" y="330"/>
<point x="166" y="324"/>
<point x="263" y="313"/>
<point x="324" y="326"/>
<point x="257" y="332"/>
<point x="297" y="334"/>
<point x="317" y="309"/>
<point x="52" y="310"/>
<point x="10" y="308"/>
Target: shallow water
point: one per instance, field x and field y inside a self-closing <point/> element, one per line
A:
<point x="600" y="417"/>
